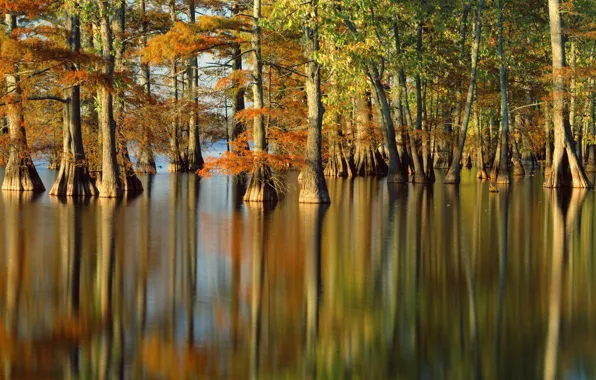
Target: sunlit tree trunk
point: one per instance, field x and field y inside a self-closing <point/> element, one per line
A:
<point x="313" y="187"/>
<point x="367" y="159"/>
<point x="339" y="163"/>
<point x="453" y="175"/>
<point x="110" y="186"/>
<point x="20" y="173"/>
<point x="236" y="127"/>
<point x="73" y="178"/>
<point x="260" y="187"/>
<point x="500" y="170"/>
<point x="566" y="169"/>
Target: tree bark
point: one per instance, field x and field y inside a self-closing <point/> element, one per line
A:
<point x="367" y="159"/>
<point x="195" y="157"/>
<point x="313" y="187"/>
<point x="146" y="159"/>
<point x="591" y="148"/>
<point x="73" y="177"/>
<point x="339" y="163"/>
<point x="20" y="173"/>
<point x="236" y="127"/>
<point x="110" y="186"/>
<point x="453" y="175"/>
<point x="566" y="169"/>
<point x="260" y="187"/>
<point x="500" y="171"/>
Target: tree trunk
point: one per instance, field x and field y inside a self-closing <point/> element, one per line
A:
<point x="313" y="187"/>
<point x="367" y="159"/>
<point x="481" y="165"/>
<point x="453" y="175"/>
<point x="591" y="148"/>
<point x="260" y="187"/>
<point x="130" y="182"/>
<point x="500" y="170"/>
<point x="20" y="173"/>
<point x="236" y="127"/>
<point x="566" y="169"/>
<point x="146" y="159"/>
<point x="110" y="186"/>
<point x="195" y="157"/>
<point x="419" y="175"/>
<point x="73" y="178"/>
<point x="339" y="164"/>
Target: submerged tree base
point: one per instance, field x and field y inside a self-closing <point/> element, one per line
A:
<point x="566" y="171"/>
<point x="339" y="166"/>
<point x="369" y="162"/>
<point x="74" y="181"/>
<point x="195" y="162"/>
<point x="452" y="177"/>
<point x="21" y="175"/>
<point x="146" y="164"/>
<point x="260" y="186"/>
<point x="313" y="187"/>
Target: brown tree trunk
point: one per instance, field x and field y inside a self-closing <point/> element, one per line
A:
<point x="313" y="187"/>
<point x="453" y="175"/>
<point x="339" y="163"/>
<point x="591" y="147"/>
<point x="146" y="159"/>
<point x="195" y="157"/>
<point x="130" y="182"/>
<point x="260" y="186"/>
<point x="236" y="127"/>
<point x="110" y="186"/>
<point x="500" y="170"/>
<point x="73" y="178"/>
<point x="20" y="173"/>
<point x="367" y="159"/>
<point x="566" y="169"/>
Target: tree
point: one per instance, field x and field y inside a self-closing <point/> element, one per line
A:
<point x="20" y="174"/>
<point x="260" y="186"/>
<point x="566" y="169"/>
<point x="314" y="187"/>
<point x="73" y="176"/>
<point x="111" y="185"/>
<point x="453" y="175"/>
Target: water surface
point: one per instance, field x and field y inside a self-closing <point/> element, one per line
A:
<point x="389" y="281"/>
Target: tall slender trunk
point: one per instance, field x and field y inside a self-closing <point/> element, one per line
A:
<point x="500" y="170"/>
<point x="195" y="157"/>
<point x="110" y="181"/>
<point x="130" y="182"/>
<point x="591" y="147"/>
<point x="20" y="173"/>
<point x="566" y="169"/>
<point x="73" y="178"/>
<point x="236" y="127"/>
<point x="314" y="187"/>
<point x="260" y="187"/>
<point x="146" y="159"/>
<point x="176" y="164"/>
<point x="419" y="175"/>
<point x="453" y="175"/>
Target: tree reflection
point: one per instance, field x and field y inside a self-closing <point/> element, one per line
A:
<point x="565" y="212"/>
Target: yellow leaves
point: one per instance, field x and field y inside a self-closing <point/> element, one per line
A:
<point x="219" y="23"/>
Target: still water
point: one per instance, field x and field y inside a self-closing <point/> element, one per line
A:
<point x="409" y="282"/>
